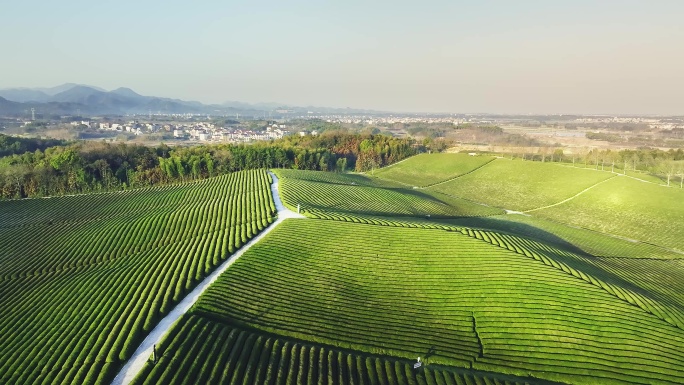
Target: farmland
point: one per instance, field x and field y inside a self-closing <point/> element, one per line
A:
<point x="585" y="287"/>
<point x="629" y="208"/>
<point x="638" y="211"/>
<point x="342" y="196"/>
<point x="520" y="186"/>
<point x="85" y="277"/>
<point x="427" y="169"/>
<point x="567" y="237"/>
<point x="200" y="349"/>
<point x="463" y="299"/>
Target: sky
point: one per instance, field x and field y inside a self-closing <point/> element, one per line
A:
<point x="523" y="56"/>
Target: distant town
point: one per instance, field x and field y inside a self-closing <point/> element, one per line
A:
<point x="196" y="131"/>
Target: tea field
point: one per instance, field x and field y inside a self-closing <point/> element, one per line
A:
<point x="428" y="169"/>
<point x="522" y="185"/>
<point x="83" y="278"/>
<point x="493" y="271"/>
<point x="319" y="195"/>
<point x="461" y="299"/>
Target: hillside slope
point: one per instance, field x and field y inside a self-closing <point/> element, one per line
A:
<point x="353" y="197"/>
<point x="83" y="278"/>
<point x="427" y="169"/>
<point x="461" y="299"/>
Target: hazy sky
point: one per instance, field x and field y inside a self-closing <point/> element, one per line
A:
<point x="509" y="56"/>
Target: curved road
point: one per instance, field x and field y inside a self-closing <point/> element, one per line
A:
<point x="144" y="351"/>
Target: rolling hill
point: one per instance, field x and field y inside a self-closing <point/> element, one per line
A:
<point x="585" y="287"/>
<point x="462" y="300"/>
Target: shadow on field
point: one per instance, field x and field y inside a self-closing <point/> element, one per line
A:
<point x="582" y="261"/>
<point x="515" y="228"/>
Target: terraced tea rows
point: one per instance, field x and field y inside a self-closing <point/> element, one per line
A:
<point x="322" y="195"/>
<point x="518" y="185"/>
<point x="78" y="292"/>
<point x="465" y="299"/>
<point x="615" y="275"/>
<point x="575" y="239"/>
<point x="202" y="351"/>
<point x="427" y="169"/>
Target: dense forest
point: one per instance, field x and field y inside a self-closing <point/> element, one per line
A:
<point x="10" y="145"/>
<point x="83" y="167"/>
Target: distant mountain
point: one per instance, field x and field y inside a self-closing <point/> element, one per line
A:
<point x="24" y="95"/>
<point x="41" y="95"/>
<point x="65" y="87"/>
<point x="105" y="101"/>
<point x="8" y="107"/>
<point x="129" y="93"/>
<point x="71" y="99"/>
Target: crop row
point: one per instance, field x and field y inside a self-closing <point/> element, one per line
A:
<point x="335" y="178"/>
<point x="72" y="313"/>
<point x="69" y="245"/>
<point x="573" y="238"/>
<point x="198" y="350"/>
<point x="633" y="285"/>
<point x="326" y="196"/>
<point x="504" y="304"/>
<point x="80" y="207"/>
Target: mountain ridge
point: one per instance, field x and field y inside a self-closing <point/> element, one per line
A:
<point x="73" y="98"/>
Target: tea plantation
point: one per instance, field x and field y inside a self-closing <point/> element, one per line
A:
<point x="493" y="271"/>
<point x="84" y="278"/>
<point x="341" y="196"/>
<point x="427" y="169"/>
<point x="519" y="185"/>
<point x="628" y="208"/>
<point x="462" y="300"/>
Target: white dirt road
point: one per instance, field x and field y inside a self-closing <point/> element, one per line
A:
<point x="144" y="351"/>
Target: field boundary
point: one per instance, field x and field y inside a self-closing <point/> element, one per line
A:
<point x="142" y="354"/>
<point x="458" y="176"/>
<point x="572" y="197"/>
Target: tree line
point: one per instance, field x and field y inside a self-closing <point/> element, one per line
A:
<point x="83" y="167"/>
<point x="10" y="145"/>
<point x="661" y="163"/>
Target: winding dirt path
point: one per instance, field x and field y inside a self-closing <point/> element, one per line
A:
<point x="572" y="197"/>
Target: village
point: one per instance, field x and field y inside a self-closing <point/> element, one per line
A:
<point x="194" y="131"/>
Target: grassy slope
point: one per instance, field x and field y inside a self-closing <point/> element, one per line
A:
<point x="320" y="194"/>
<point x="628" y="208"/>
<point x="447" y="293"/>
<point x="518" y="185"/>
<point x="84" y="277"/>
<point x="426" y="169"/>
